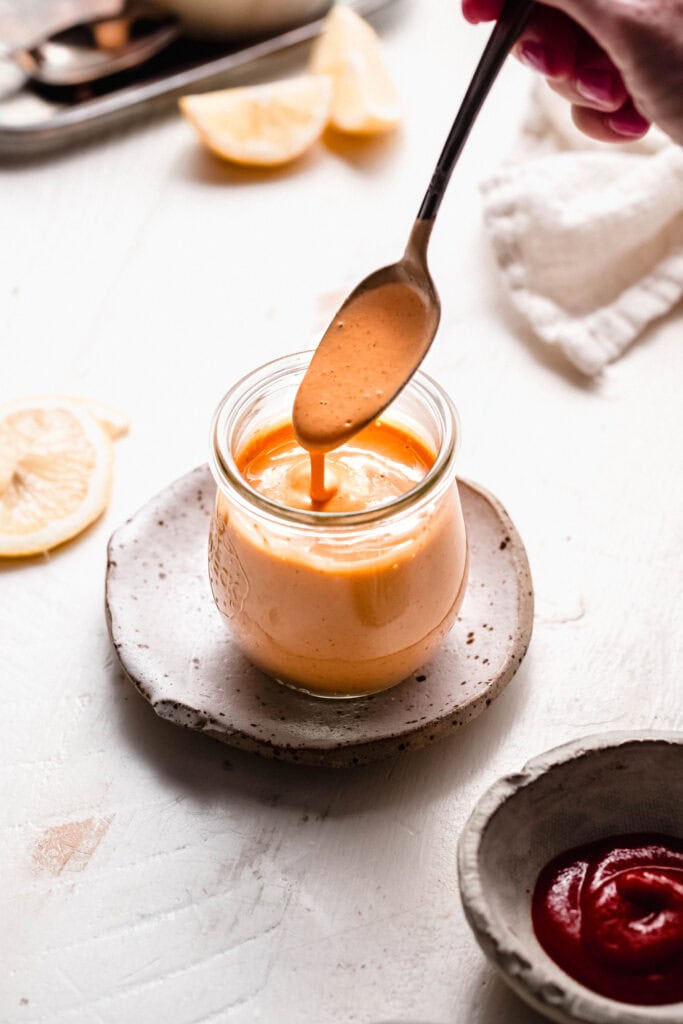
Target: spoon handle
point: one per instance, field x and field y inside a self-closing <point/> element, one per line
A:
<point x="506" y="31"/>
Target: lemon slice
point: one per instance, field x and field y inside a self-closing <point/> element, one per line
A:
<point x="56" y="465"/>
<point x="364" y="101"/>
<point x="262" y="125"/>
<point x="114" y="422"/>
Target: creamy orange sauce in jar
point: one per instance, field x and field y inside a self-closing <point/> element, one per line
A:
<point x="380" y="463"/>
<point x="350" y="593"/>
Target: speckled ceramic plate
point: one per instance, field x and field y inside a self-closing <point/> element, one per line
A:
<point x="178" y="651"/>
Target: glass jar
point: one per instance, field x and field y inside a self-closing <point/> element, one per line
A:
<point x="339" y="604"/>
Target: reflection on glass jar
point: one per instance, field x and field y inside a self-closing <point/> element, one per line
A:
<point x="339" y="604"/>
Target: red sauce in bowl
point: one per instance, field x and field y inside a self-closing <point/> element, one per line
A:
<point x="610" y="914"/>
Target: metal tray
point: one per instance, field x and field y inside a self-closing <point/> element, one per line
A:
<point x="35" y="119"/>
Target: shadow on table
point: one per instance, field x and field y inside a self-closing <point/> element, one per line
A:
<point x="200" y="767"/>
<point x="365" y="155"/>
<point x="195" y="164"/>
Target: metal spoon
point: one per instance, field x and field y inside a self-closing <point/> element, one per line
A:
<point x="94" y="49"/>
<point x="333" y="403"/>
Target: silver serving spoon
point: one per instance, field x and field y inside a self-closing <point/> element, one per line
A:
<point x="384" y="329"/>
<point x="94" y="49"/>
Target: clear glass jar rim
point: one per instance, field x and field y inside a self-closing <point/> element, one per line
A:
<point x="228" y="476"/>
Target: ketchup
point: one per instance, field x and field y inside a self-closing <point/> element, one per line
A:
<point x="610" y="914"/>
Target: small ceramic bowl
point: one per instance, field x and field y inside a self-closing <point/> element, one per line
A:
<point x="586" y="790"/>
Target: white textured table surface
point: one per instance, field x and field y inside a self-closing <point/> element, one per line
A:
<point x="151" y="874"/>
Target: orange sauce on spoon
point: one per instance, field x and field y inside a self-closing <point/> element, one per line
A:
<point x="366" y="355"/>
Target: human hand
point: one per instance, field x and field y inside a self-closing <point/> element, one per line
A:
<point x="618" y="62"/>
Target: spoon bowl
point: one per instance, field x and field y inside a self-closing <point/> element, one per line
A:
<point x="91" y="50"/>
<point x="401" y="303"/>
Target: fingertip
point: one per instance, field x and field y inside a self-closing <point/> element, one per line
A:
<point x="476" y="11"/>
<point x="548" y="44"/>
<point x="469" y="13"/>
<point x="591" y="123"/>
<point x="627" y="122"/>
<point x="532" y="55"/>
<point x="601" y="88"/>
<point x="605" y="127"/>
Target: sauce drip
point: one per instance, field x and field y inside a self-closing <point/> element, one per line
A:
<point x="611" y="915"/>
<point x="369" y="351"/>
<point x="319" y="493"/>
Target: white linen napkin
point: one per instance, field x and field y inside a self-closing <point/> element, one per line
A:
<point x="589" y="237"/>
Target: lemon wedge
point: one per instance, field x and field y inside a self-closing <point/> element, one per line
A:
<point x="364" y="100"/>
<point x="56" y="465"/>
<point x="262" y="125"/>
